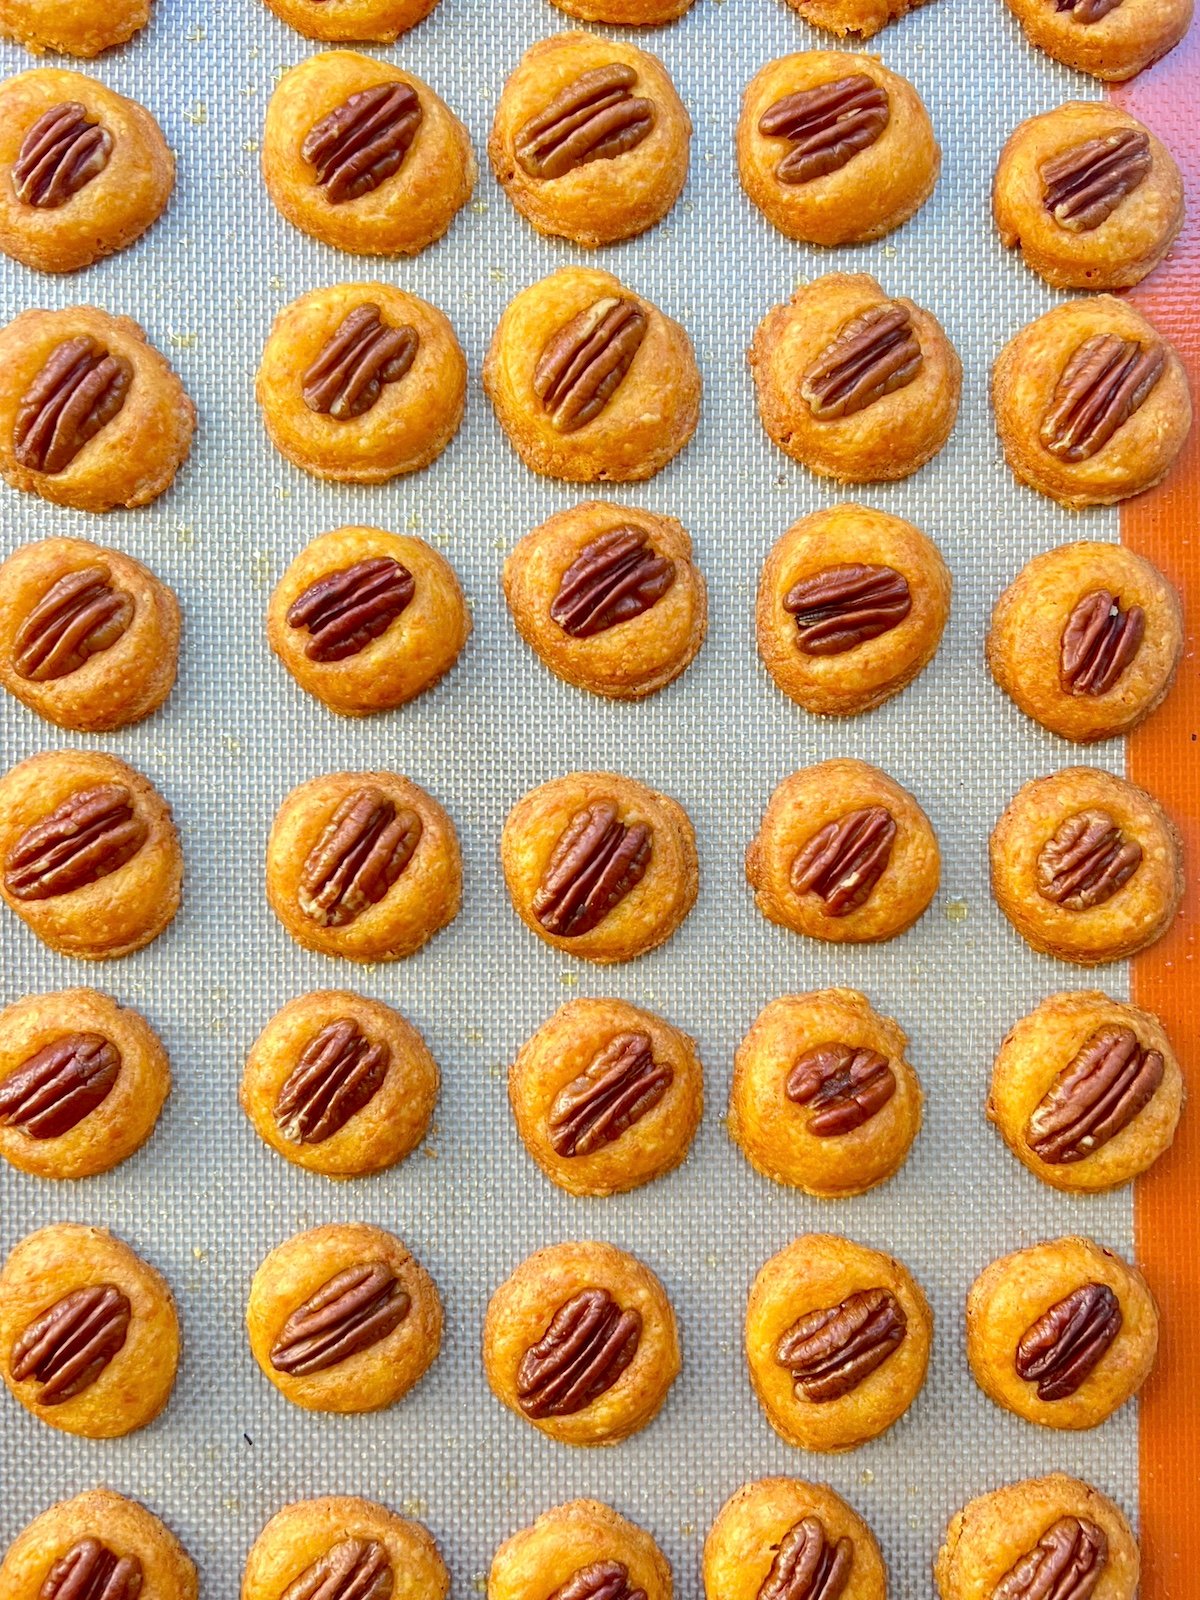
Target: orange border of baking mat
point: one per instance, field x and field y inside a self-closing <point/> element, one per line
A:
<point x="1164" y="757"/>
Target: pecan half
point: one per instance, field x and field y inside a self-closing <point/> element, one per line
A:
<point x="91" y="834"/>
<point x="593" y="119"/>
<point x="352" y="1569"/>
<point x="1106" y="380"/>
<point x="338" y="1073"/>
<point x="78" y="617"/>
<point x="845" y="1084"/>
<point x="826" y="126"/>
<point x="363" y="356"/>
<point x="1098" y="643"/>
<point x="60" y="155"/>
<point x="1086" y="861"/>
<point x="842" y="607"/>
<point x="366" y="845"/>
<point x="353" y="1311"/>
<point x="622" y="1082"/>
<point x="363" y="142"/>
<point x="1083" y="185"/>
<point x="1086" y="12"/>
<point x="614" y="578"/>
<point x="53" y="1090"/>
<point x="1100" y="1091"/>
<point x="599" y="1580"/>
<point x="91" y="1571"/>
<point x="807" y="1565"/>
<point x="68" y="1347"/>
<point x="1066" y="1564"/>
<point x="586" y="1348"/>
<point x="586" y="361"/>
<point x="598" y="859"/>
<point x="79" y="390"/>
<point x="345" y="610"/>
<point x="830" y="1351"/>
<point x="1066" y="1343"/>
<point x="872" y="355"/>
<point x="846" y="858"/>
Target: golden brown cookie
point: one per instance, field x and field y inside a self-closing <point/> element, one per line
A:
<point x="1061" y="1334"/>
<point x="853" y="385"/>
<point x="581" y="1342"/>
<point x="837" y="1341"/>
<point x="782" y="1537"/>
<point x="364" y="156"/>
<point x="835" y="190"/>
<point x="339" y="1084"/>
<point x="90" y="857"/>
<point x="1111" y="39"/>
<point x="366" y="620"/>
<point x="862" y="17"/>
<point x="574" y="1548"/>
<point x="89" y="638"/>
<point x="1092" y="198"/>
<point x="363" y="865"/>
<point x="98" y="1538"/>
<point x="843" y="853"/>
<point x="343" y="1318"/>
<point x="609" y="597"/>
<point x="606" y="1096"/>
<point x="352" y="21"/>
<point x="590" y="140"/>
<point x="342" y="1546"/>
<point x="590" y="381"/>
<point x="600" y="866"/>
<point x="851" y="607"/>
<point x="82" y="1081"/>
<point x="72" y="27"/>
<point x="87" y="170"/>
<point x="69" y="1278"/>
<point x="1086" y="867"/>
<point x="1092" y="403"/>
<point x="1086" y="1091"/>
<point x="91" y="416"/>
<point x="823" y="1098"/>
<point x="1086" y="639"/>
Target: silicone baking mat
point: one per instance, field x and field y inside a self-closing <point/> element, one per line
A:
<point x="204" y="1201"/>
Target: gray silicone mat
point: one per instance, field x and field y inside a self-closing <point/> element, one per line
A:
<point x="205" y="1200"/>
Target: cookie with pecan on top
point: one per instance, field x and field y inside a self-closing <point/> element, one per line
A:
<point x="97" y="1539"/>
<point x="340" y="1546"/>
<point x="581" y="1549"/>
<point x="1111" y="39"/>
<point x="779" y="1536"/>
<point x="352" y="21"/>
<point x="72" y="27"/>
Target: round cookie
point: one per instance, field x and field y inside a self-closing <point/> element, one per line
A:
<point x="590" y="381"/>
<point x="1086" y="640"/>
<point x="1086" y="867"/>
<point x="609" y="598"/>
<point x="581" y="1342"/>
<point x="837" y="1341"/>
<point x="364" y="865"/>
<point x="600" y="866"/>
<point x="1061" y="1334"/>
<point x="845" y="854"/>
<point x="1111" y="39"/>
<point x="572" y="1550"/>
<point x="357" y="1546"/>
<point x="831" y="191"/>
<point x="862" y="17"/>
<point x="1089" y="194"/>
<point x="361" y="383"/>
<point x="823" y="1098"/>
<point x="352" y="21"/>
<point x="851" y="607"/>
<point x="85" y="171"/>
<point x="72" y="27"/>
<point x="89" y="638"/>
<point x="339" y="1084"/>
<point x="332" y="112"/>
<point x="98" y="1537"/>
<point x="854" y="385"/>
<point x="342" y="1318"/>
<point x="1086" y="1091"/>
<point x="590" y="140"/>
<point x="777" y="1533"/>
<point x="1092" y="403"/>
<point x="82" y="1082"/>
<point x="366" y="620"/>
<point x="66" y="1277"/>
<point x="606" y="1096"/>
<point x="1040" y="1529"/>
<point x="89" y="856"/>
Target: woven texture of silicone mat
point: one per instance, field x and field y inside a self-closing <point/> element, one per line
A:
<point x="204" y="1201"/>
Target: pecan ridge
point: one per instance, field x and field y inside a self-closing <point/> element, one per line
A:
<point x="339" y="1071"/>
<point x="1105" y="381"/>
<point x="841" y="607"/>
<point x="355" y="364"/>
<point x="352" y="1569"/>
<point x="620" y="1085"/>
<point x="365" y="846"/>
<point x="807" y="1565"/>
<point x="871" y="355"/>
<point x="844" y="1084"/>
<point x="594" y="118"/>
<point x="68" y="1346"/>
<point x="599" y="1580"/>
<point x="1106" y="1084"/>
<point x="55" y="1088"/>
<point x="91" y="1571"/>
<point x="79" y="616"/>
<point x="60" y="155"/>
<point x="584" y="363"/>
<point x="1098" y="643"/>
<point x="1083" y="185"/>
<point x="79" y="390"/>
<point x="91" y="834"/>
<point x="614" y="578"/>
<point x="1086" y="861"/>
<point x="831" y="1350"/>
<point x="1086" y="12"/>
<point x="345" y="610"/>
<point x="1066" y="1564"/>
<point x="826" y="126"/>
<point x="586" y="1348"/>
<point x="363" y="142"/>
<point x="845" y="859"/>
<point x="597" y="861"/>
<point x="1064" y="1345"/>
<point x="354" y="1310"/>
